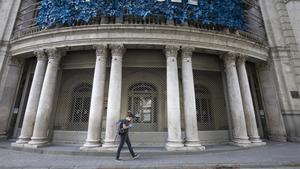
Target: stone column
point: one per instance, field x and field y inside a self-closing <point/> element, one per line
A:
<point x="240" y="137"/>
<point x="190" y="114"/>
<point x="97" y="101"/>
<point x="247" y="101"/>
<point x="174" y="141"/>
<point x="114" y="95"/>
<point x="34" y="97"/>
<point x="41" y="127"/>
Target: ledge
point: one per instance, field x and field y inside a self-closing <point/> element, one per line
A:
<point x="152" y="35"/>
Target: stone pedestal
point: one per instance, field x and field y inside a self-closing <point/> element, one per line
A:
<point x="114" y="96"/>
<point x="190" y="114"/>
<point x="240" y="137"/>
<point x="97" y="100"/>
<point x="174" y="141"/>
<point x="41" y="127"/>
<point x="33" y="99"/>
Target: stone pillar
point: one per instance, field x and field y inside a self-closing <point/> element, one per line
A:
<point x="10" y="85"/>
<point x="174" y="141"/>
<point x="114" y="95"/>
<point x="240" y="137"/>
<point x="190" y="114"/>
<point x="247" y="101"/>
<point x="97" y="101"/>
<point x="271" y="103"/>
<point x="34" y="97"/>
<point x="41" y="127"/>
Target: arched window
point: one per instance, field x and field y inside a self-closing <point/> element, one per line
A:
<point x="203" y="107"/>
<point x="81" y="99"/>
<point x="142" y="101"/>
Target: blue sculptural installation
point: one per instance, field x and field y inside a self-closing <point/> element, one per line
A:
<point x="228" y="13"/>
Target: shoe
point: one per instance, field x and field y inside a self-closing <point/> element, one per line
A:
<point x="118" y="159"/>
<point x="136" y="156"/>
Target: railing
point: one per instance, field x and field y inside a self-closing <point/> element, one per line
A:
<point x="26" y="24"/>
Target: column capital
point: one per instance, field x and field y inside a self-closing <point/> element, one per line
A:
<point x="40" y="54"/>
<point x="117" y="50"/>
<point x="101" y="50"/>
<point x="241" y="59"/>
<point x="187" y="51"/>
<point x="55" y="54"/>
<point x="230" y="58"/>
<point x="171" y="50"/>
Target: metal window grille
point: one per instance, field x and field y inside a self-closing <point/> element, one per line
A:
<point x="144" y="96"/>
<point x="142" y="102"/>
<point x="74" y="99"/>
<point x="210" y="100"/>
<point x="203" y="106"/>
<point x="81" y="103"/>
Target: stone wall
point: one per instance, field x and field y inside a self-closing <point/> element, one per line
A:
<point x="282" y="29"/>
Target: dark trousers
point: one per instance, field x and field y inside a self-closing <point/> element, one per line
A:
<point x="124" y="138"/>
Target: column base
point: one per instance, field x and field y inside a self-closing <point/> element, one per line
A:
<point x="110" y="144"/>
<point x="194" y="146"/>
<point x="22" y="140"/>
<point x="174" y="146"/>
<point x="92" y="143"/>
<point x="254" y="144"/>
<point x="241" y="142"/>
<point x="257" y="141"/>
<point x="37" y="142"/>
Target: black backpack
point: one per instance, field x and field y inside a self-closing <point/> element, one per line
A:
<point x="119" y="126"/>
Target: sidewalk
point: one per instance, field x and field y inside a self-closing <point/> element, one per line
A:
<point x="273" y="155"/>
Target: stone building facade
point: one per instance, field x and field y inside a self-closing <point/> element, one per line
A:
<point x="188" y="85"/>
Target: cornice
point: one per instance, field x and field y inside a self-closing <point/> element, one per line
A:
<point x="139" y="34"/>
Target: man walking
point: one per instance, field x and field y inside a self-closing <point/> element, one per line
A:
<point x="124" y="126"/>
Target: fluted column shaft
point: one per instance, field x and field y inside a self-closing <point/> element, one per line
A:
<point x="34" y="97"/>
<point x="247" y="101"/>
<point x="173" y="105"/>
<point x="190" y="114"/>
<point x="41" y="127"/>
<point x="97" y="100"/>
<point x="235" y="100"/>
<point x="114" y="95"/>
